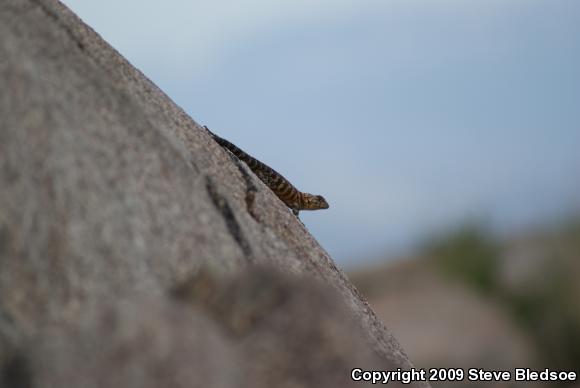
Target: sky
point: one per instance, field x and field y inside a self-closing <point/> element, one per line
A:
<point x="409" y="116"/>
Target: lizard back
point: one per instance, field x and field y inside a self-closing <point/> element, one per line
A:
<point x="283" y="189"/>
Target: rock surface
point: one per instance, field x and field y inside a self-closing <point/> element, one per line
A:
<point x="110" y="196"/>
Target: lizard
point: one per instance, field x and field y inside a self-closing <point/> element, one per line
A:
<point x="284" y="190"/>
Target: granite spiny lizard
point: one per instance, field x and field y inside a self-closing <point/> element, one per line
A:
<point x="290" y="195"/>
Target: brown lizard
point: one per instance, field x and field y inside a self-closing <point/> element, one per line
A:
<point x="290" y="195"/>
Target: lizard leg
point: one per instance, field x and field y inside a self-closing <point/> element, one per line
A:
<point x="295" y="212"/>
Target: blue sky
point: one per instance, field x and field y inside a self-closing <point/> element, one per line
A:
<point x="409" y="116"/>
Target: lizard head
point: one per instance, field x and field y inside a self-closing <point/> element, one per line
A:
<point x="313" y="202"/>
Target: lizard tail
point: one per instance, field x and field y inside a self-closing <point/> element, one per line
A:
<point x="230" y="146"/>
<point x="211" y="133"/>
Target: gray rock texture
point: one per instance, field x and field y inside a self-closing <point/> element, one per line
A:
<point x="111" y="195"/>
